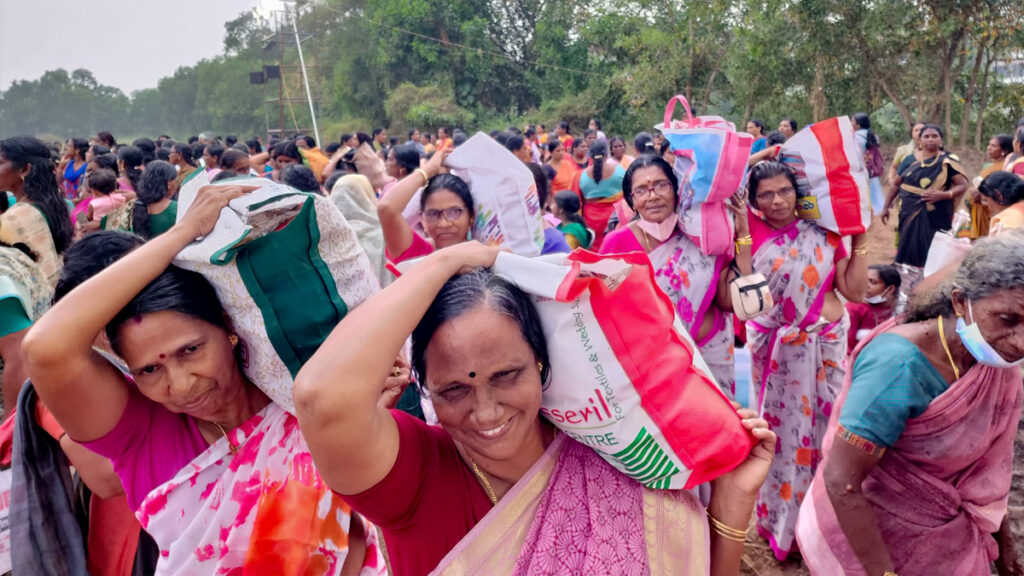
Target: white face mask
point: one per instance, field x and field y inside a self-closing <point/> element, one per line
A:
<point x="976" y="344"/>
<point x="877" y="299"/>
<point x="660" y="231"/>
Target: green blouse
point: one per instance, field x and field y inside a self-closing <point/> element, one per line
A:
<point x="162" y="222"/>
<point x="892" y="383"/>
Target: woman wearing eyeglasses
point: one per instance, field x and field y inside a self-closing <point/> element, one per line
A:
<point x="696" y="283"/>
<point x="446" y="206"/>
<point x="799" y="346"/>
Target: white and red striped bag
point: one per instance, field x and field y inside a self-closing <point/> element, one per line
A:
<point x="831" y="178"/>
<point x="626" y="378"/>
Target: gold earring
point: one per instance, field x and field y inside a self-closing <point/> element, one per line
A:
<point x="233" y="339"/>
<point x="540" y="366"/>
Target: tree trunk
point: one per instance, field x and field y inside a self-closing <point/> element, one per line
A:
<point x="819" y="103"/>
<point x="947" y="79"/>
<point x="706" y="98"/>
<point x="905" y="112"/>
<point x="693" y="59"/>
<point x="983" y="100"/>
<point x="965" y="116"/>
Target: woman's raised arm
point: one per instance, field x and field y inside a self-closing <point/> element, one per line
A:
<point x="398" y="236"/>
<point x="353" y="438"/>
<point x="738" y="207"/>
<point x="85" y="392"/>
<point x="852" y="272"/>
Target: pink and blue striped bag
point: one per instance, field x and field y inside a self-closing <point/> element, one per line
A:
<point x="711" y="164"/>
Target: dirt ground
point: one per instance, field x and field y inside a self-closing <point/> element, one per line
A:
<point x="758" y="559"/>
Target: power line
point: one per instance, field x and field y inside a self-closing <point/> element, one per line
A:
<point x="449" y="43"/>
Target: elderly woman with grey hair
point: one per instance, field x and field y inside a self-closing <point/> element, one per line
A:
<point x="920" y="457"/>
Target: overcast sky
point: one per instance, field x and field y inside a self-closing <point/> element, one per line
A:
<point x="129" y="44"/>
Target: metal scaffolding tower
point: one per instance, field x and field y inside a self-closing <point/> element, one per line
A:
<point x="291" y="79"/>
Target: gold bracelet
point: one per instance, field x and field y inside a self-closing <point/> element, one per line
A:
<point x="860" y="251"/>
<point x="422" y="172"/>
<point x="727" y="532"/>
<point x="729" y="537"/>
<point x="745" y="241"/>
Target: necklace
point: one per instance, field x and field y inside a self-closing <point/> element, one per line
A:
<point x="945" y="346"/>
<point x="231" y="445"/>
<point x="483" y="479"/>
<point x="925" y="164"/>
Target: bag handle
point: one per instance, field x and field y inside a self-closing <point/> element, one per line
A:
<point x="671" y="107"/>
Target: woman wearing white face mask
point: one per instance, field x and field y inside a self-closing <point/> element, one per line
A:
<point x="697" y="284"/>
<point x="880" y="301"/>
<point x="920" y="450"/>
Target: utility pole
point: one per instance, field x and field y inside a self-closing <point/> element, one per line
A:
<point x="305" y="78"/>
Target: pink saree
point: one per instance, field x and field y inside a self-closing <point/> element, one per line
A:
<point x="939" y="492"/>
<point x="260" y="510"/>
<point x="572" y="513"/>
<point x="799" y="371"/>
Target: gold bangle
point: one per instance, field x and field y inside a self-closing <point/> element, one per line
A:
<point x="745" y="241"/>
<point x="860" y="251"/>
<point x="727" y="532"/>
<point x="729" y="537"/>
<point x="422" y="172"/>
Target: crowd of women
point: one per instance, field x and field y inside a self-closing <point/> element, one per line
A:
<point x="884" y="405"/>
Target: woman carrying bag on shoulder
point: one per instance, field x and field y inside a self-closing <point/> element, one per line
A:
<point x="697" y="284"/>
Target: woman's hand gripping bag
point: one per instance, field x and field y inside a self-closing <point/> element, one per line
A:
<point x="508" y="211"/>
<point x="626" y="379"/>
<point x="711" y="164"/>
<point x="287" y="267"/>
<point x="832" y="181"/>
<point x="371" y="166"/>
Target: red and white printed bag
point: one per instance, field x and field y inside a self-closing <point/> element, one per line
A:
<point x="626" y="378"/>
<point x="831" y="178"/>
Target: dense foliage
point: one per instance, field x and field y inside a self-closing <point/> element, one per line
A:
<point x="484" y="64"/>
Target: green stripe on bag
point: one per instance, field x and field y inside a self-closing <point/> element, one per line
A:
<point x="646" y="462"/>
<point x="291" y="284"/>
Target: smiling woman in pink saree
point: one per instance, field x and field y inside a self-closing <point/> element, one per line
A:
<point x="696" y="283"/>
<point x="918" y="460"/>
<point x="496" y="489"/>
<point x="219" y="476"/>
<point x="798" y="347"/>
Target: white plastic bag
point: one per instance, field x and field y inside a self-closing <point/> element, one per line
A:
<point x="508" y="211"/>
<point x="945" y="250"/>
<point x="626" y="378"/>
<point x="287" y="267"/>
